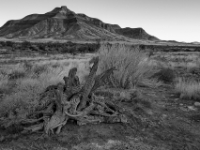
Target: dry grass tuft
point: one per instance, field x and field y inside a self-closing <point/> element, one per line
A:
<point x="188" y="89"/>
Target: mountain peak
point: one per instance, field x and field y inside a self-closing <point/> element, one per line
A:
<point x="64" y="9"/>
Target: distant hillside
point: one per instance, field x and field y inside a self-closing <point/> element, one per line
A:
<point x="135" y="33"/>
<point x="196" y="43"/>
<point x="62" y="23"/>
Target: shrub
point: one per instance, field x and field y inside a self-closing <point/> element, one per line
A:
<point x="25" y="44"/>
<point x="129" y="62"/>
<point x="16" y="75"/>
<point x="165" y="74"/>
<point x="66" y="63"/>
<point x="9" y="43"/>
<point x="70" y="43"/>
<point x="39" y="69"/>
<point x="56" y="65"/>
<point x="27" y="66"/>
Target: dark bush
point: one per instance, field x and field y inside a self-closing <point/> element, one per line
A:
<point x="56" y="65"/>
<point x="28" y="66"/>
<point x="9" y="43"/>
<point x="70" y="43"/>
<point x="3" y="43"/>
<point x="38" y="69"/>
<point x="167" y="75"/>
<point x="16" y="75"/>
<point x="26" y="44"/>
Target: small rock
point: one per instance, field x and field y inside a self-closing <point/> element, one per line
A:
<point x="197" y="104"/>
<point x="2" y="138"/>
<point x="182" y="96"/>
<point x="164" y="116"/>
<point x="59" y="148"/>
<point x="192" y="108"/>
<point x="183" y="109"/>
<point x="148" y="111"/>
<point x="181" y="104"/>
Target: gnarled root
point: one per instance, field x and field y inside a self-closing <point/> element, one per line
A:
<point x="96" y="112"/>
<point x="56" y="106"/>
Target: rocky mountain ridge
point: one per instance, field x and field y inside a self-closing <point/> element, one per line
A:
<point x="62" y="23"/>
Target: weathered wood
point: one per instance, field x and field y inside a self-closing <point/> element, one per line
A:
<point x="86" y="89"/>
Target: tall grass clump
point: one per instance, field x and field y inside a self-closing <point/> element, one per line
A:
<point x="130" y="62"/>
<point x="188" y="89"/>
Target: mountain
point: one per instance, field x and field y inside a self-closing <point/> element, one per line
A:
<point x="62" y="23"/>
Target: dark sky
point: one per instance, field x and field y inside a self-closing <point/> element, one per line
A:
<point x="166" y="19"/>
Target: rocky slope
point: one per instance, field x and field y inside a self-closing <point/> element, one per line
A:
<point x="62" y="23"/>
